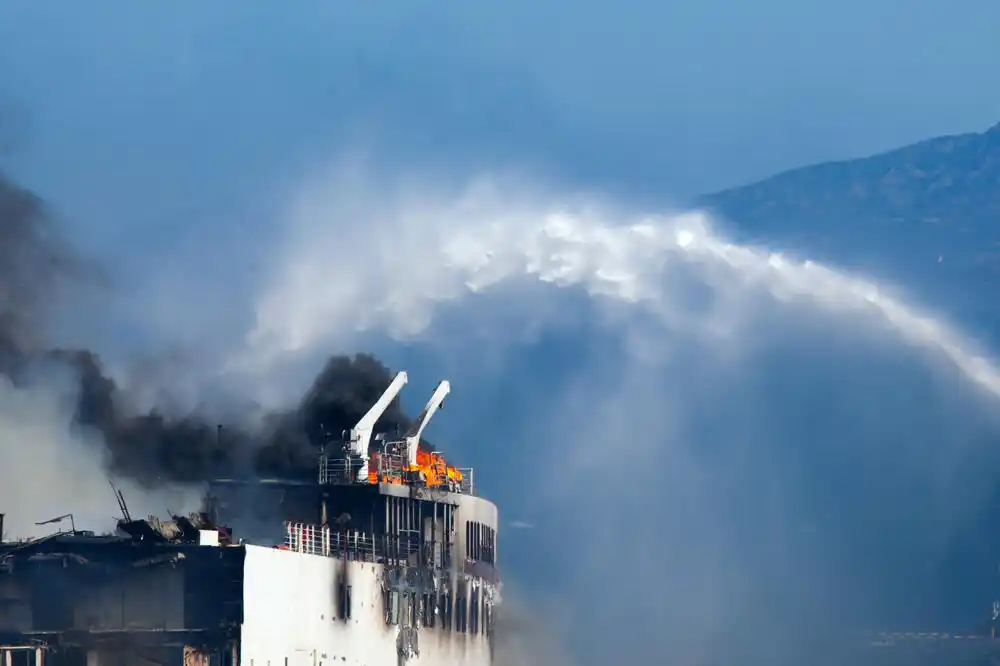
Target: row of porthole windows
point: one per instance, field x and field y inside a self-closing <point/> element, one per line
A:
<point x="467" y="614"/>
<point x="480" y="543"/>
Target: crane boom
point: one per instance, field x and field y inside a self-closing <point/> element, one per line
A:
<point x="361" y="434"/>
<point x="413" y="434"/>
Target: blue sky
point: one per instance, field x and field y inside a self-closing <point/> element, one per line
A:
<point x="138" y="122"/>
<point x="168" y="138"/>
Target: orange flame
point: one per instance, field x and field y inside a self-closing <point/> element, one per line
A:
<point x="436" y="471"/>
<point x="433" y="468"/>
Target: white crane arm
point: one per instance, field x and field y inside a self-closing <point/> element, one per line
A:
<point x="413" y="434"/>
<point x="361" y="433"/>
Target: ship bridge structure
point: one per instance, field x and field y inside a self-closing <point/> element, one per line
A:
<point x="388" y="557"/>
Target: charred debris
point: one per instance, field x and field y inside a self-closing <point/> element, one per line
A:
<point x="151" y="592"/>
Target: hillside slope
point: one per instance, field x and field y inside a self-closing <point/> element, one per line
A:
<point x="927" y="213"/>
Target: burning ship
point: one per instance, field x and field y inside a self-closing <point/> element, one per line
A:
<point x="388" y="558"/>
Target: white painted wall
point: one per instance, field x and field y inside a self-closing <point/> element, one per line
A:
<point x="290" y="617"/>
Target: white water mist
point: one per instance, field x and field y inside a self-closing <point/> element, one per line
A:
<point x="370" y="254"/>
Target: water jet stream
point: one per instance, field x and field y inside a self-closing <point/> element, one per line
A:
<point x="414" y="251"/>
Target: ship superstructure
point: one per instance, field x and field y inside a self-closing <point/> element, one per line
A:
<point x="389" y="557"/>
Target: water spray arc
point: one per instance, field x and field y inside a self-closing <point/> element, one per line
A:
<point x="485" y="237"/>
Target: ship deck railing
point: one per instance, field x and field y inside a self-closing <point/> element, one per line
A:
<point x="335" y="471"/>
<point x="360" y="546"/>
<point x="389" y="468"/>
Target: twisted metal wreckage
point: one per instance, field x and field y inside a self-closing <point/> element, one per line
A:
<point x="151" y="591"/>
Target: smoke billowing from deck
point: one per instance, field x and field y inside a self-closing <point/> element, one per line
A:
<point x="155" y="448"/>
<point x="33" y="261"/>
<point x="65" y="424"/>
<point x="49" y="464"/>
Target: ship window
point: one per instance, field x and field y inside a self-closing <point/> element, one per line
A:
<point x="446" y="612"/>
<point x="461" y="610"/>
<point x="474" y="613"/>
<point x="480" y="542"/>
<point x="427" y="609"/>
<point x="392" y="607"/>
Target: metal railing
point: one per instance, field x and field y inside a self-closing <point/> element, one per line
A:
<point x="315" y="540"/>
<point x="392" y="463"/>
<point x="334" y="471"/>
<point x="390" y="466"/>
<point x="352" y="545"/>
<point x="468" y="484"/>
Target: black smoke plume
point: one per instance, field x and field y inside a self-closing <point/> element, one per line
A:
<point x="152" y="448"/>
<point x="33" y="263"/>
<point x="36" y="267"/>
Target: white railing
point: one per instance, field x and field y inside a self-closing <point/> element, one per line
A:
<point x="352" y="545"/>
<point x="334" y="471"/>
<point x="389" y="467"/>
<point x="391" y="463"/>
<point x="468" y="485"/>
<point x="316" y="540"/>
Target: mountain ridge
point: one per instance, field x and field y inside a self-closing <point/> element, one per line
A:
<point x="931" y="180"/>
<point x="927" y="214"/>
<point x="936" y="141"/>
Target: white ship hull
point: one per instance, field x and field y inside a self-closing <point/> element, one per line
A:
<point x="291" y="618"/>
